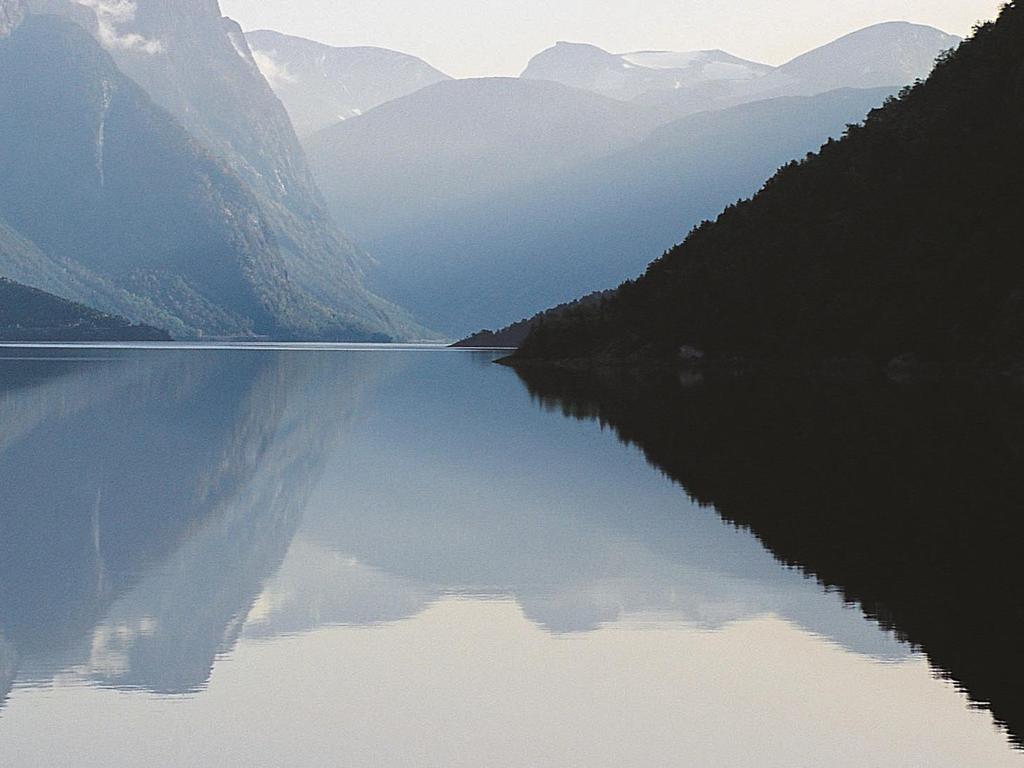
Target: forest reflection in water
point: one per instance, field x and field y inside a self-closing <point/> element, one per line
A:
<point x="906" y="497"/>
<point x="249" y="546"/>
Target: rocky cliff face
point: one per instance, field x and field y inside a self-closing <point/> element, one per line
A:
<point x="197" y="65"/>
<point x="105" y="187"/>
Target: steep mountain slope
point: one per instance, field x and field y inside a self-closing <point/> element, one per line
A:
<point x="198" y="66"/>
<point x="27" y="314"/>
<point x="628" y="76"/>
<point x="114" y="204"/>
<point x="898" y="242"/>
<point x="406" y="162"/>
<point x="520" y="245"/>
<point x="21" y="261"/>
<point x="321" y="85"/>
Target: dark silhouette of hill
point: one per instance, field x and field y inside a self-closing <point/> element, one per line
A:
<point x="27" y="314"/>
<point x="899" y="241"/>
<point x="512" y="336"/>
<point x="906" y="498"/>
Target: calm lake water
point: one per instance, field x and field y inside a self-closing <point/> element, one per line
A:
<point x="395" y="557"/>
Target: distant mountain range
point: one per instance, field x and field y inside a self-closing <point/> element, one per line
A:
<point x="890" y="54"/>
<point x="526" y="242"/>
<point x="27" y="314"/>
<point x="321" y="85"/>
<point x="632" y="75"/>
<point x="190" y="205"/>
<point x="410" y="163"/>
<point x="487" y="200"/>
<point x="896" y="246"/>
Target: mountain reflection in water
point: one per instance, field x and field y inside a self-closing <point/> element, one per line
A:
<point x="164" y="514"/>
<point x="908" y="498"/>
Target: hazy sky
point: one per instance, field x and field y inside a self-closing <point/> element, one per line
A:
<point x="498" y="37"/>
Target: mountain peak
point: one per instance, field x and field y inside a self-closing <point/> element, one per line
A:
<point x="891" y="53"/>
<point x="640" y="74"/>
<point x="322" y="85"/>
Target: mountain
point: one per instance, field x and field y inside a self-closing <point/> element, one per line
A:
<point x="321" y="85"/>
<point x="631" y="75"/>
<point x="406" y="162"/>
<point x="27" y="314"/>
<point x="890" y="54"/>
<point x="894" y="53"/>
<point x="495" y="240"/>
<point x="108" y="201"/>
<point x="198" y="66"/>
<point x="512" y="336"/>
<point x="898" y="244"/>
<point x="397" y="175"/>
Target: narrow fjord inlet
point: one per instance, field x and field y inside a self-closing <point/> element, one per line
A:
<point x="731" y="477"/>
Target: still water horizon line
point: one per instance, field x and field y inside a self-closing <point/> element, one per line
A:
<point x="255" y="346"/>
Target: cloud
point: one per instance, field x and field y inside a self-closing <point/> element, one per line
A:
<point x="111" y="14"/>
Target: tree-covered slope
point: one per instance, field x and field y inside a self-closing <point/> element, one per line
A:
<point x="28" y="314"/>
<point x="900" y="239"/>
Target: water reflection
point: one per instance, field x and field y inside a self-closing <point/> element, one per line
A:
<point x="146" y="499"/>
<point x="906" y="498"/>
<point x="165" y="514"/>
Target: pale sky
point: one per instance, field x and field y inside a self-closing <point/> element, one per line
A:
<point x="471" y="38"/>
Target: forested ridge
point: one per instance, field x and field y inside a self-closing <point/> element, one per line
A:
<point x="898" y="241"/>
<point x="28" y="314"/>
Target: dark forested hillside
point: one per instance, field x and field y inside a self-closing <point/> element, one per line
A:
<point x="901" y="240"/>
<point x="27" y="314"/>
